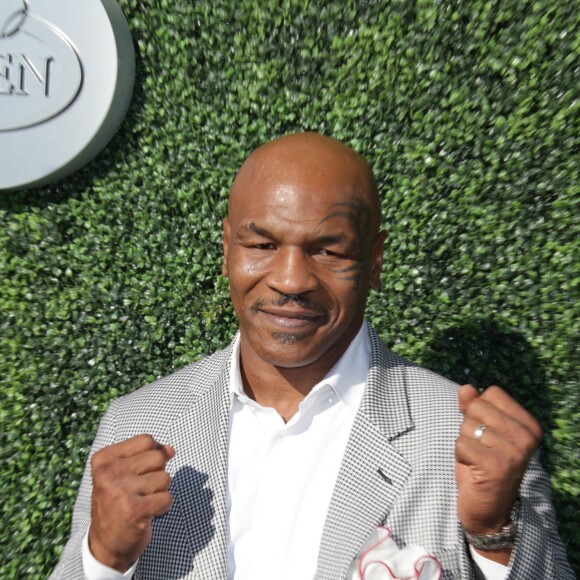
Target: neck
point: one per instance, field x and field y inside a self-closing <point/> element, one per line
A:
<point x="281" y="388"/>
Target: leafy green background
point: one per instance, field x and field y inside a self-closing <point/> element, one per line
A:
<point x="468" y="111"/>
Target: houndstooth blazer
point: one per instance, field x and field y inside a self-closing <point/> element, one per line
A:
<point x="398" y="470"/>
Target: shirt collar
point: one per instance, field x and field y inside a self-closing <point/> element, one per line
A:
<point x="346" y="378"/>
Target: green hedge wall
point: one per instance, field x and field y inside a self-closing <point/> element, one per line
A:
<point x="468" y="111"/>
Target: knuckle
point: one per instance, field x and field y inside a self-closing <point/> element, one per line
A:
<point x="494" y="394"/>
<point x="147" y="440"/>
<point x="143" y="524"/>
<point x="107" y="486"/>
<point x="167" y="500"/>
<point x="460" y="445"/>
<point x="154" y="461"/>
<point x="537" y="431"/>
<point x="165" y="480"/>
<point x="467" y="428"/>
<point x="477" y="407"/>
<point x="100" y="471"/>
<point x="160" y="481"/>
<point x="98" y="457"/>
<point x="531" y="444"/>
<point x="526" y="439"/>
<point x="160" y="456"/>
<point x="518" y="432"/>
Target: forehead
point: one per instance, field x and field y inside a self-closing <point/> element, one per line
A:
<point x="301" y="210"/>
<point x="296" y="201"/>
<point x="307" y="181"/>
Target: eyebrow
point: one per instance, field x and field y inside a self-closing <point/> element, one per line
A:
<point x="331" y="240"/>
<point x="252" y="228"/>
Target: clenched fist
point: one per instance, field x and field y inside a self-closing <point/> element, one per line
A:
<point x="491" y="461"/>
<point x="130" y="488"/>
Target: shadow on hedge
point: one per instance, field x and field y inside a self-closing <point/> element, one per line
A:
<point x="483" y="353"/>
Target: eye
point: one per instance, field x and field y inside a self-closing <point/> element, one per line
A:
<point x="324" y="252"/>
<point x="265" y="246"/>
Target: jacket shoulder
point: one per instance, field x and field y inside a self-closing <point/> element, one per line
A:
<point x="396" y="377"/>
<point x="152" y="408"/>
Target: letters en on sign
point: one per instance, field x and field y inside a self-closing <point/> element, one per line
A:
<point x="66" y="77"/>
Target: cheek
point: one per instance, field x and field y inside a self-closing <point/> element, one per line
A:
<point x="351" y="297"/>
<point x="251" y="269"/>
<point x="244" y="273"/>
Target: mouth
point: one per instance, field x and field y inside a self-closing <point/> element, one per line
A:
<point x="292" y="319"/>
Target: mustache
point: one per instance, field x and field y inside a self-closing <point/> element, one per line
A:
<point x="300" y="300"/>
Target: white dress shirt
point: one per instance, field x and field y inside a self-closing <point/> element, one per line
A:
<point x="281" y="476"/>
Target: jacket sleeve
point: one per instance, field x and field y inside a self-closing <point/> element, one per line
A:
<point x="70" y="566"/>
<point x="538" y="551"/>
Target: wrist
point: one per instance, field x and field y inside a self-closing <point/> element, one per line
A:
<point x="496" y="540"/>
<point x="104" y="557"/>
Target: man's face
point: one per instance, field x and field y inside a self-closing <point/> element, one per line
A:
<point x="300" y="262"/>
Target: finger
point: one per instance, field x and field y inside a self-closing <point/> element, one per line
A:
<point x="499" y="463"/>
<point x="167" y="449"/>
<point x="125" y="468"/>
<point x="466" y="394"/>
<point x="129" y="448"/>
<point x="490" y="438"/>
<point x="469" y="452"/>
<point x="500" y="399"/>
<point x="515" y="452"/>
<point x="491" y="467"/>
<point x="141" y="444"/>
<point x="156" y="504"/>
<point x="151" y="483"/>
<point x="485" y="413"/>
<point x="154" y="460"/>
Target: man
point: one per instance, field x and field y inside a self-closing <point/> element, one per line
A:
<point x="279" y="456"/>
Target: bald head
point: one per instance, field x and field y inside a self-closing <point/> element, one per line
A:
<point x="312" y="162"/>
<point x="301" y="251"/>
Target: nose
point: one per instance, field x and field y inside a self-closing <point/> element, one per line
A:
<point x="291" y="272"/>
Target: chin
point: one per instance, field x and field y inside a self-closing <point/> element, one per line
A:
<point x="288" y="338"/>
<point x="290" y="353"/>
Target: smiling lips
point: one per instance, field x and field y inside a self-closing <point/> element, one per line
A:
<point x="292" y="318"/>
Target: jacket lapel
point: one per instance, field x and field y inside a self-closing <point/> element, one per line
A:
<point x="372" y="472"/>
<point x="199" y="483"/>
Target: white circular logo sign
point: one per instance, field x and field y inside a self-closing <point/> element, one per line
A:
<point x="66" y="76"/>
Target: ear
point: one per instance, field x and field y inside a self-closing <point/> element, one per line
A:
<point x="377" y="260"/>
<point x="226" y="244"/>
